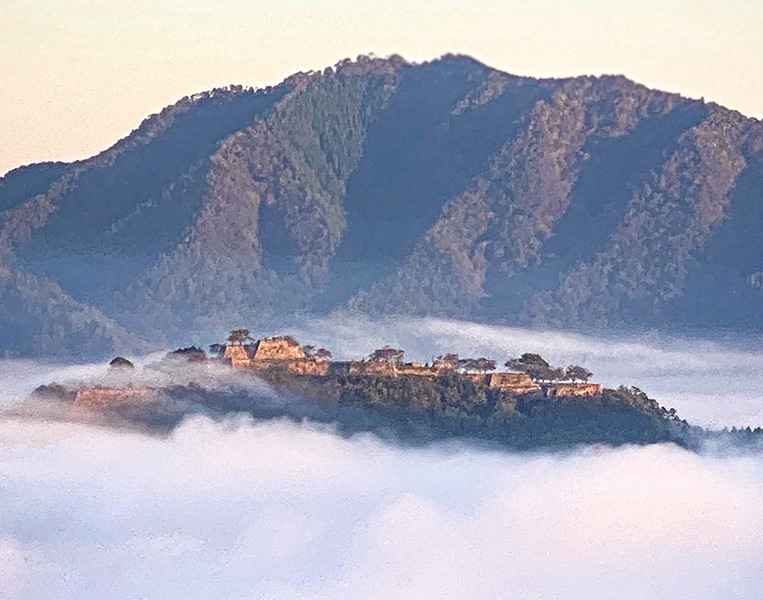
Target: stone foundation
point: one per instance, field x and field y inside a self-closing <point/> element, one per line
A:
<point x="278" y="349"/>
<point x="298" y="367"/>
<point x="573" y="389"/>
<point x="516" y="383"/>
<point x="238" y="356"/>
<point x="101" y="397"/>
<point x="383" y="369"/>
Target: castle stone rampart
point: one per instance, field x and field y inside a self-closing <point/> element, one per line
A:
<point x="573" y="389"/>
<point x="418" y="369"/>
<point x="384" y="369"/>
<point x="239" y="356"/>
<point x="278" y="349"/>
<point x="298" y="366"/>
<point x="516" y="383"/>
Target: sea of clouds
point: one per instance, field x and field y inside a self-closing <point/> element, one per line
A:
<point x="240" y="509"/>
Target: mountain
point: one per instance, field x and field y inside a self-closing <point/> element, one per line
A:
<point x="382" y="186"/>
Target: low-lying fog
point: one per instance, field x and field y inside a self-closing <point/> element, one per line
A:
<point x="240" y="509"/>
<point x="708" y="383"/>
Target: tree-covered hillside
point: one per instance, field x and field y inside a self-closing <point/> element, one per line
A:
<point x="383" y="186"/>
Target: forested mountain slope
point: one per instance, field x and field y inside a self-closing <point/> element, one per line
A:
<point x="382" y="186"/>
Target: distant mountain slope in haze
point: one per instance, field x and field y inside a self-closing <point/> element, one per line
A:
<point x="382" y="186"/>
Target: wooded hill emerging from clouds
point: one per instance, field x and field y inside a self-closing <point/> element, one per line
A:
<point x="445" y="188"/>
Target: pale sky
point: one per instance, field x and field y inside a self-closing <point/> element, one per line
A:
<point x="76" y="75"/>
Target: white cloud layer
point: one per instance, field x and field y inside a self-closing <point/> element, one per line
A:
<point x="247" y="510"/>
<point x="279" y="510"/>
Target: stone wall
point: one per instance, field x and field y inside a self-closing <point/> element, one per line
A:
<point x="269" y="349"/>
<point x="573" y="389"/>
<point x="418" y="369"/>
<point x="101" y="397"/>
<point x="278" y="349"/>
<point x="239" y="356"/>
<point x="516" y="383"/>
<point x="384" y="369"/>
<point x="298" y="367"/>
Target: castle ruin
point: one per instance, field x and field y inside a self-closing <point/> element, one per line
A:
<point x="285" y="353"/>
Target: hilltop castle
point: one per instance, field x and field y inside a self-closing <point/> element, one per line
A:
<point x="286" y="354"/>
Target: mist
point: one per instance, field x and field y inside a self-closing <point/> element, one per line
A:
<point x="710" y="383"/>
<point x="238" y="508"/>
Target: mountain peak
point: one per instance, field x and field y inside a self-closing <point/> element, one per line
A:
<point x="445" y="188"/>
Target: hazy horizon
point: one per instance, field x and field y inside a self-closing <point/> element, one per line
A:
<point x="85" y="73"/>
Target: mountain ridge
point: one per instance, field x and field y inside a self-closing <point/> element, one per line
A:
<point x="382" y="186"/>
